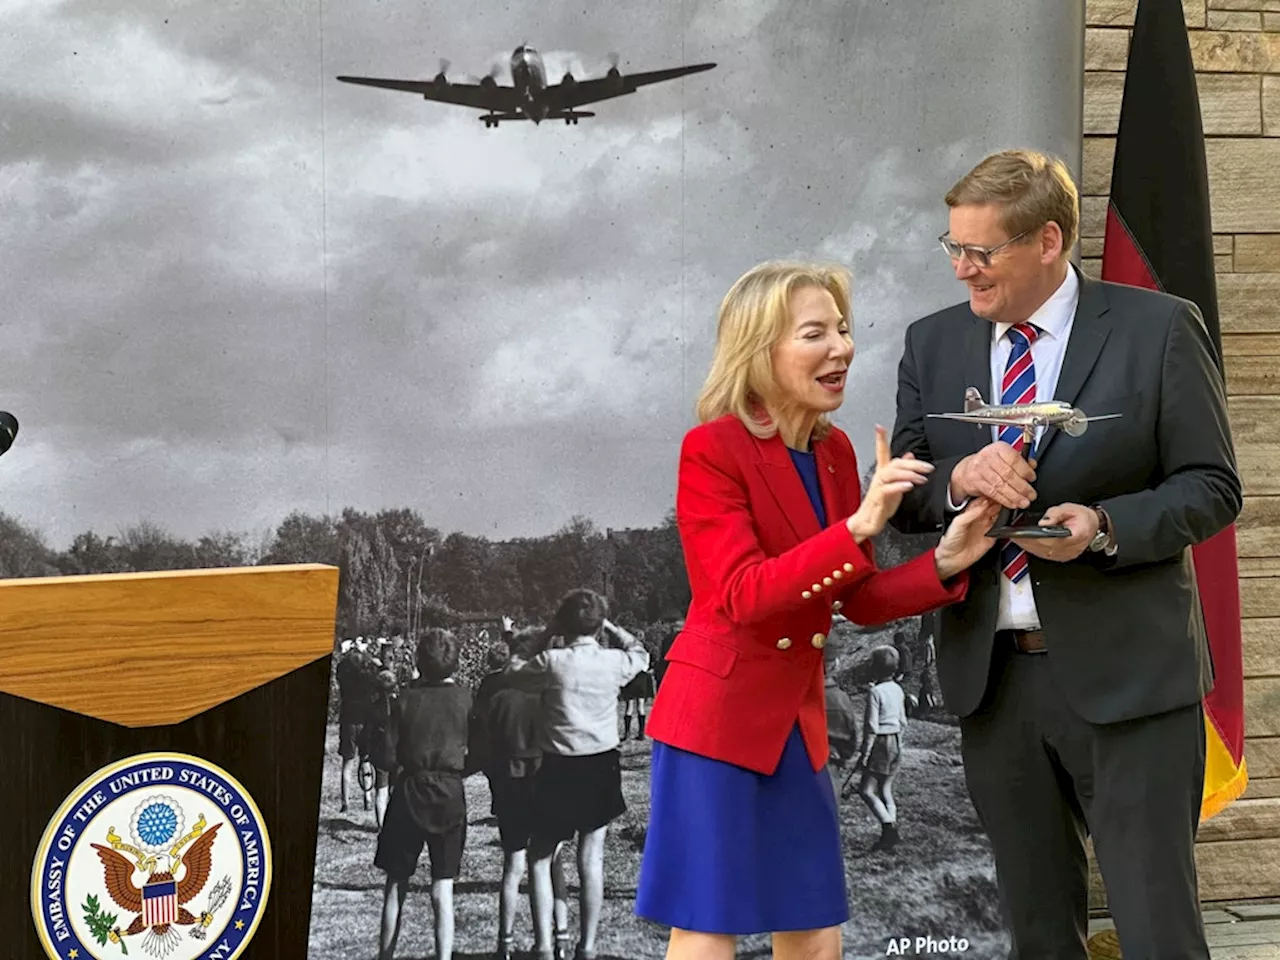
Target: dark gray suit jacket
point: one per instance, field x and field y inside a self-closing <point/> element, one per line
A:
<point x="1126" y="634"/>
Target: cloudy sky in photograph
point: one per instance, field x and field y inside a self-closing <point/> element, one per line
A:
<point x="235" y="286"/>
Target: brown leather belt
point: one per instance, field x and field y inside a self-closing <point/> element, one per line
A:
<point x="1024" y="641"/>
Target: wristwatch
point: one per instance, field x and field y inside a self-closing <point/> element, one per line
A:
<point x="1103" y="540"/>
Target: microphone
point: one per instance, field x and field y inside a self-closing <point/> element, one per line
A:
<point x="8" y="430"/>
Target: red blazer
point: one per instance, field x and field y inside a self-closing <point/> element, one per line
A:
<point x="765" y="580"/>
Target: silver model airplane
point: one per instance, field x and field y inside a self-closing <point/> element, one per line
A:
<point x="1047" y="413"/>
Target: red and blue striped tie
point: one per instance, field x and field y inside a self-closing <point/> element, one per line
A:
<point x="1019" y="386"/>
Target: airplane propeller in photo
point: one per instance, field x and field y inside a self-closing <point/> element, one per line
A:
<point x="529" y="97"/>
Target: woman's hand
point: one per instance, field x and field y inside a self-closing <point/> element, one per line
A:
<point x="966" y="540"/>
<point x="893" y="478"/>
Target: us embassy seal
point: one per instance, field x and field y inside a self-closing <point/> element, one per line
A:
<point x="160" y="854"/>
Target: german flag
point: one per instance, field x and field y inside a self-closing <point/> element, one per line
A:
<point x="1159" y="235"/>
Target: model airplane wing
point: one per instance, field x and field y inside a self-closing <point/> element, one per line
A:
<point x="582" y="92"/>
<point x="991" y="420"/>
<point x="478" y="96"/>
<point x="1073" y="424"/>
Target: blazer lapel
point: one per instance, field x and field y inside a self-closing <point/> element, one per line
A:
<point x="832" y="502"/>
<point x="783" y="480"/>
<point x="1089" y="333"/>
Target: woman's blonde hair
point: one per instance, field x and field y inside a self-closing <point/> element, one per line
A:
<point x="754" y="315"/>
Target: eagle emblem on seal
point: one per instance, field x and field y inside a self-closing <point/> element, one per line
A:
<point x="176" y="867"/>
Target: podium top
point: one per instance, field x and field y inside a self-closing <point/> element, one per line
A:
<point x="153" y="648"/>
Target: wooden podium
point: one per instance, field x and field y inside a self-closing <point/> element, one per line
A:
<point x="161" y="746"/>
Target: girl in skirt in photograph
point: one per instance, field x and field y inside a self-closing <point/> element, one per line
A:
<point x="512" y="721"/>
<point x="578" y="787"/>
<point x="744" y="831"/>
<point x="884" y="721"/>
<point x="635" y="697"/>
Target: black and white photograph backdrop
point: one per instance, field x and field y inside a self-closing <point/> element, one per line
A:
<point x="447" y="332"/>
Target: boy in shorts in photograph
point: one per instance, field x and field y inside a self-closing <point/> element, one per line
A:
<point x="427" y="738"/>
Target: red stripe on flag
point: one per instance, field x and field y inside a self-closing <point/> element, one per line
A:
<point x="1215" y="561"/>
<point x="1122" y="261"/>
<point x="1216" y="575"/>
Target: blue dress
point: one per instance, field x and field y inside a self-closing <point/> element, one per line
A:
<point x="732" y="851"/>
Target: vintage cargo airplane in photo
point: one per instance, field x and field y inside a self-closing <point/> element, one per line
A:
<point x="529" y="97"/>
<point x="1045" y="413"/>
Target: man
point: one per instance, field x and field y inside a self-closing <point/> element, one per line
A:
<point x="1077" y="665"/>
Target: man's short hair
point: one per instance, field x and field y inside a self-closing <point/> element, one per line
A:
<point x="437" y="655"/>
<point x="1029" y="187"/>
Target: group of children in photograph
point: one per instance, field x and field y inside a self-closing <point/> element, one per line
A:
<point x="542" y="727"/>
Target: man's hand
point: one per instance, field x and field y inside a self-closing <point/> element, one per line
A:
<point x="1081" y="521"/>
<point x="997" y="472"/>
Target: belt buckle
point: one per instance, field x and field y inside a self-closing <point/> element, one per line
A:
<point x="1014" y="635"/>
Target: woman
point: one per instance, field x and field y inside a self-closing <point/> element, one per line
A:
<point x="744" y="831"/>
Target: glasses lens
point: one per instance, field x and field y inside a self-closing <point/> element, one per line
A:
<point x="953" y="249"/>
<point x="979" y="258"/>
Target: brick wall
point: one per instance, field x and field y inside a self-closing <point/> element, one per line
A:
<point x="1235" y="46"/>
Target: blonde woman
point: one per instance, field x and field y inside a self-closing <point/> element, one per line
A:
<point x="744" y="832"/>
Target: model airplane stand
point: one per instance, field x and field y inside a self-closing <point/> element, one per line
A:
<point x="1019" y="524"/>
<point x="163" y="739"/>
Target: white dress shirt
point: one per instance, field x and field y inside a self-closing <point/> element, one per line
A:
<point x="1054" y="319"/>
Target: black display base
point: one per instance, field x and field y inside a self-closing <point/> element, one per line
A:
<point x="1015" y="524"/>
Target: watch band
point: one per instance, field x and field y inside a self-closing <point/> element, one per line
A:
<point x="1104" y="540"/>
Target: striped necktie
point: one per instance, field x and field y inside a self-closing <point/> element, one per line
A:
<point x="1018" y="386"/>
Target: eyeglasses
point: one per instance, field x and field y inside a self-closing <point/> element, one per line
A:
<point x="978" y="256"/>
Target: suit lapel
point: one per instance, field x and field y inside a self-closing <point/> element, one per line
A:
<point x="783" y="480"/>
<point x="1089" y="332"/>
<point x="977" y="373"/>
